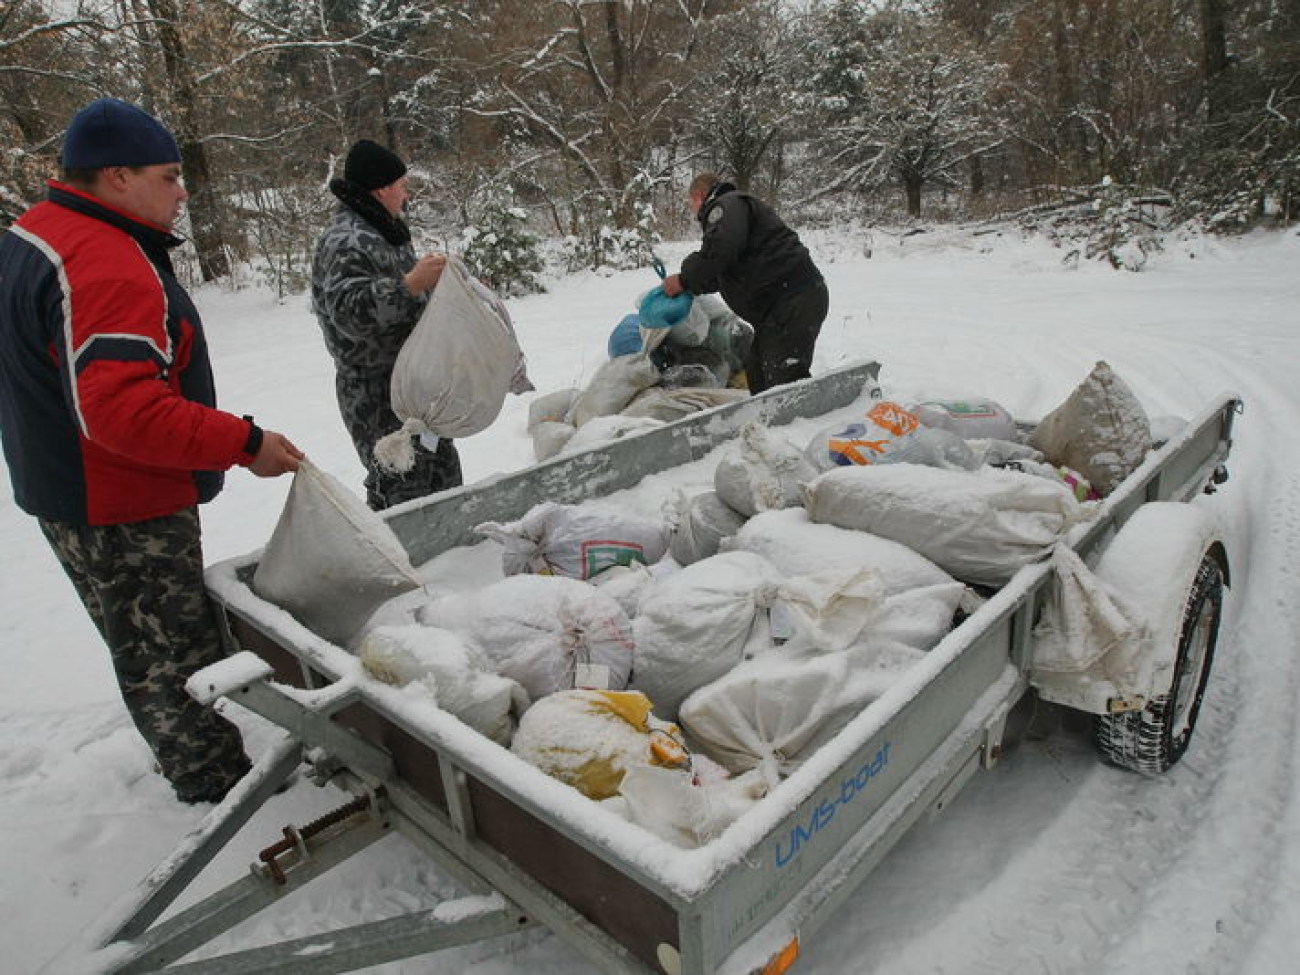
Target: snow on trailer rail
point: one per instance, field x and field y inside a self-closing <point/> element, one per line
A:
<point x="530" y="849"/>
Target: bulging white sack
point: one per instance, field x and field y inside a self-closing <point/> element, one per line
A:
<point x="615" y="384"/>
<point x="578" y="541"/>
<point x="699" y="524"/>
<point x="979" y="526"/>
<point x="773" y="712"/>
<point x="331" y="561"/>
<point x="549" y="633"/>
<point x="761" y="471"/>
<point x="1101" y="430"/>
<point x="440" y="665"/>
<point x="455" y="368"/>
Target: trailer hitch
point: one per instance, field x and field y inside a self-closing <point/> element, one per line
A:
<point x="296" y="841"/>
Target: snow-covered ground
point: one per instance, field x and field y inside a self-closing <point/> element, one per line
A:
<point x="1050" y="862"/>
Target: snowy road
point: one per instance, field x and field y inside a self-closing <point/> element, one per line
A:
<point x="1049" y="863"/>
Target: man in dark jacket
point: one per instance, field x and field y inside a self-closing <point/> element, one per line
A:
<point x="110" y="426"/>
<point x="368" y="290"/>
<point x="765" y="275"/>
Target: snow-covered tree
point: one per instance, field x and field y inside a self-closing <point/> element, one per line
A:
<point x="900" y="100"/>
<point x="499" y="248"/>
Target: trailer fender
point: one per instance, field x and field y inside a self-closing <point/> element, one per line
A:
<point x="1168" y="561"/>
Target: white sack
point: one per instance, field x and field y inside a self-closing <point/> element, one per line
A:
<point x="552" y="407"/>
<point x="796" y="545"/>
<point x="550" y="437"/>
<point x="578" y="541"/>
<point x="626" y="584"/>
<point x="771" y="713"/>
<point x="685" y="812"/>
<point x="549" y="633"/>
<point x="979" y="526"/>
<point x="455" y="368"/>
<point x="1101" y="430"/>
<point x="918" y="600"/>
<point x="700" y="523"/>
<point x="614" y="385"/>
<point x="1086" y="622"/>
<point x="331" y="561"/>
<point x="761" y="471"/>
<point x="972" y="419"/>
<point x="673" y="404"/>
<point x="700" y="622"/>
<point x="455" y="677"/>
<point x="603" y="430"/>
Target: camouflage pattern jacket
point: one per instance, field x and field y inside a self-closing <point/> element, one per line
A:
<point x="357" y="293"/>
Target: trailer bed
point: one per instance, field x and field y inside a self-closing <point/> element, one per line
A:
<point x="622" y="897"/>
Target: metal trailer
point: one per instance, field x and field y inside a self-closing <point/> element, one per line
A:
<point x="530" y="850"/>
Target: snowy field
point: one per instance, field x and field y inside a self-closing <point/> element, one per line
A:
<point x="1049" y="863"/>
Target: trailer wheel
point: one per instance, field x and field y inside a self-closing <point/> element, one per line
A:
<point x="1153" y="739"/>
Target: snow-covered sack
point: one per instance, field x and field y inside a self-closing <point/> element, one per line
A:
<point x="686" y="810"/>
<point x="549" y="633"/>
<point x="697" y="624"/>
<point x="1089" y="626"/>
<point x="1101" y="430"/>
<point x="919" y="599"/>
<point x="797" y="545"/>
<point x="889" y="434"/>
<point x="699" y="524"/>
<point x="773" y="712"/>
<point x="604" y="430"/>
<point x="979" y="526"/>
<point x="589" y="739"/>
<point x="579" y="541"/>
<point x="971" y="419"/>
<point x="673" y="404"/>
<point x="552" y="407"/>
<point x="550" y="437"/>
<point x="548" y="422"/>
<point x="628" y="583"/>
<point x="331" y="561"/>
<point x="761" y="471"/>
<point x="615" y="384"/>
<point x="457" y="678"/>
<point x="455" y="368"/>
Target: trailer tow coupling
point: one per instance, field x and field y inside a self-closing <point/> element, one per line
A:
<point x="299" y="841"/>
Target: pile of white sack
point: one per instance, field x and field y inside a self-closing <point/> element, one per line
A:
<point x="679" y="667"/>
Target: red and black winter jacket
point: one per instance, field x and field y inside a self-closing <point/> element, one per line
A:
<point x="107" y="405"/>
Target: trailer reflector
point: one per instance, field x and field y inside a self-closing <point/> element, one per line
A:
<point x="783" y="959"/>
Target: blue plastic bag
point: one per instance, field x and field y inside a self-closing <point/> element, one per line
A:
<point x="626" y="337"/>
<point x="660" y="311"/>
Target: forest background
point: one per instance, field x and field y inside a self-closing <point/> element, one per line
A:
<point x="565" y="130"/>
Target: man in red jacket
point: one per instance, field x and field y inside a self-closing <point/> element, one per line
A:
<point x="110" y="427"/>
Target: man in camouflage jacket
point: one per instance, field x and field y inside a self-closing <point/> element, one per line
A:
<point x="368" y="292"/>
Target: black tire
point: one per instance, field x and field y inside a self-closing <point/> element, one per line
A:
<point x="1150" y="741"/>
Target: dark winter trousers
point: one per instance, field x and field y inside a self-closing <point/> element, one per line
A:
<point x="142" y="584"/>
<point x="784" y="339"/>
<point x="364" y="402"/>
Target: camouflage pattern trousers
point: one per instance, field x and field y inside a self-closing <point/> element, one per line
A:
<point x="142" y="584"/>
<point x="367" y="412"/>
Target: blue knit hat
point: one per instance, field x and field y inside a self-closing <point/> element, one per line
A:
<point x="111" y="132"/>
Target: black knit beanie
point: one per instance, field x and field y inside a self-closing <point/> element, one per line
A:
<point x="370" y="166"/>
